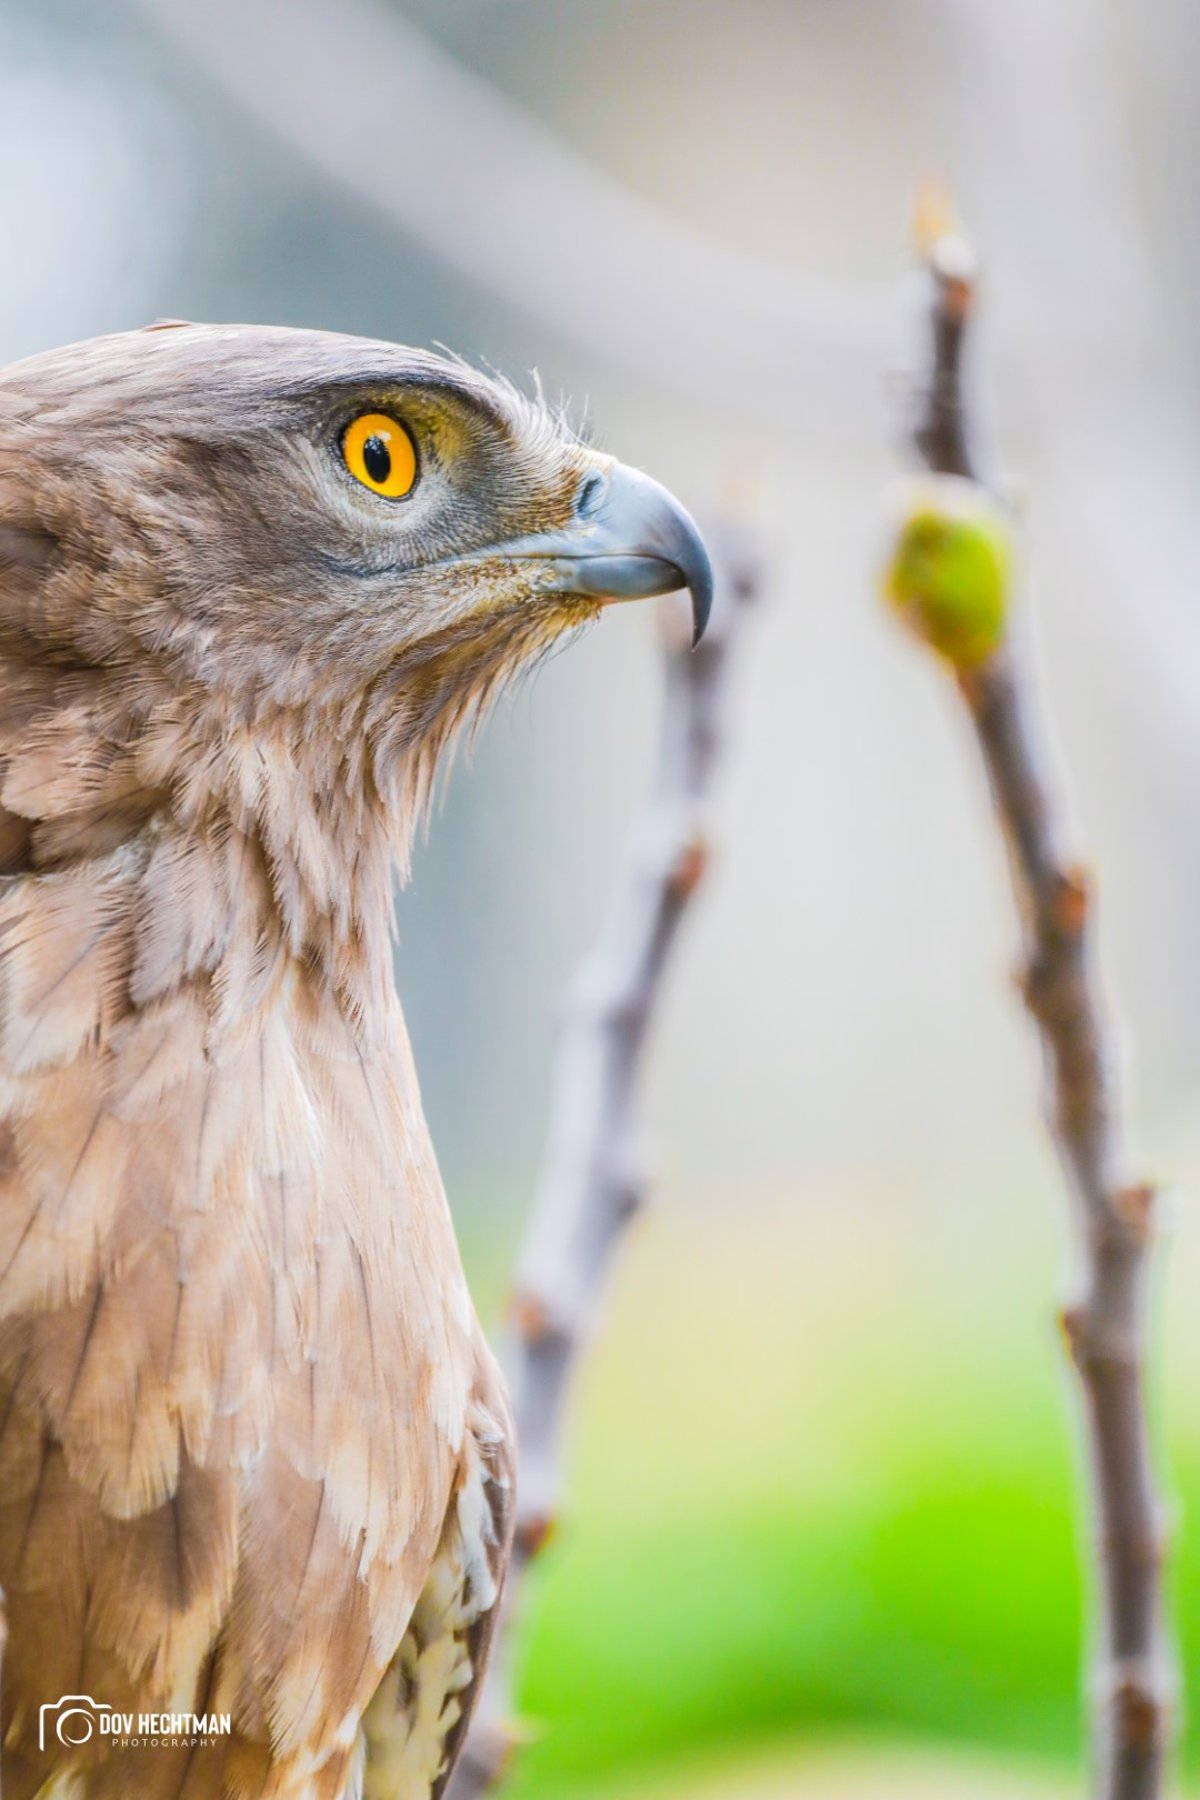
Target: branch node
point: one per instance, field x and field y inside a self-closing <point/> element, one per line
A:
<point x="690" y="867"/>
<point x="940" y="243"/>
<point x="972" y="687"/>
<point x="631" y="1195"/>
<point x="1072" y="1322"/>
<point x="1039" y="982"/>
<point x="1137" y="1207"/>
<point x="1071" y="900"/>
<point x="1096" y="1345"/>
<point x="1137" y="1699"/>
<point x="1146" y="1550"/>
<point x="533" y="1319"/>
<point x="533" y="1533"/>
<point x="953" y="266"/>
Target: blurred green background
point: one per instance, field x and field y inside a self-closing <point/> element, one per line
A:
<point x="824" y="1532"/>
<point x="826" y="1496"/>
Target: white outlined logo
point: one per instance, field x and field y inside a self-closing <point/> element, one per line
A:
<point x="76" y="1719"/>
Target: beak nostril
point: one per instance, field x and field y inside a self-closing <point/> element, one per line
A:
<point x="589" y="495"/>
<point x="627" y="539"/>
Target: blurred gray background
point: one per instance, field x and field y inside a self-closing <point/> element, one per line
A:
<point x="821" y="1479"/>
<point x="838" y="1013"/>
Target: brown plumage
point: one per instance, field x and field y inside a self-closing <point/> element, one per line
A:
<point x="254" y="1453"/>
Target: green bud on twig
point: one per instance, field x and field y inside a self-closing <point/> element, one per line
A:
<point x="948" y="569"/>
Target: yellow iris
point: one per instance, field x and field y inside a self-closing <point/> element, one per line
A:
<point x="379" y="452"/>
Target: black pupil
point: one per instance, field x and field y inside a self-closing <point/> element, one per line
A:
<point x="377" y="459"/>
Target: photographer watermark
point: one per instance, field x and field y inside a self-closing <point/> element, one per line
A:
<point x="77" y="1719"/>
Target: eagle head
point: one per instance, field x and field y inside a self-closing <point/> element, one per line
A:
<point x="258" y="579"/>
<point x="267" y="510"/>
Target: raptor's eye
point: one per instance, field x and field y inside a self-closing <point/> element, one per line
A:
<point x="379" y="453"/>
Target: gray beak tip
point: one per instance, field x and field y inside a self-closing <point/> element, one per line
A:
<point x="631" y="540"/>
<point x="700" y="586"/>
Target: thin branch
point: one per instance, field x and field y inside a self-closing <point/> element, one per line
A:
<point x="940" y="430"/>
<point x="592" y="1181"/>
<point x="1106" y="1326"/>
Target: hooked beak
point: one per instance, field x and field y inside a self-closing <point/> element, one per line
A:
<point x="630" y="539"/>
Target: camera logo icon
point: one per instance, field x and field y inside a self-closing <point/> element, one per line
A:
<point x="70" y="1721"/>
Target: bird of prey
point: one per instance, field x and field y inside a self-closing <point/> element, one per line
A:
<point x="255" y="1458"/>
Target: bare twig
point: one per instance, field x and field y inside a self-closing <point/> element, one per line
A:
<point x="1106" y="1327"/>
<point x="592" y="1182"/>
